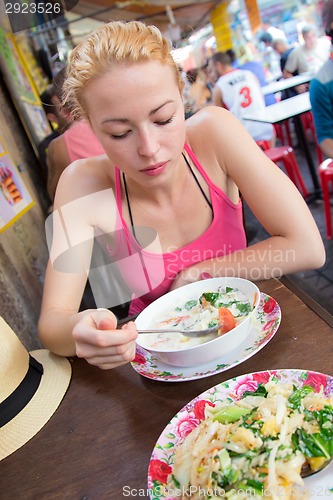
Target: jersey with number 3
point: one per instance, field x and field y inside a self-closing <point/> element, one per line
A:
<point x="242" y="95"/>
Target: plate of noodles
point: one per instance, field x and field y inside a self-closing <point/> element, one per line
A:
<point x="249" y="437"/>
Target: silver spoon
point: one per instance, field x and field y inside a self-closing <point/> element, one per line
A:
<point x="307" y="471"/>
<point x="186" y="333"/>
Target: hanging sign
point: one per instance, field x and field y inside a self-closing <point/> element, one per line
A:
<point x="15" y="199"/>
<point x="221" y="25"/>
<point x="253" y="14"/>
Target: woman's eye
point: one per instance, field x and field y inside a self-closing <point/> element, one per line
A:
<point x="165" y="122"/>
<point x="125" y="134"/>
<point x="120" y="136"/>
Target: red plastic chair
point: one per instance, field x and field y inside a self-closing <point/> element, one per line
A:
<point x="282" y="132"/>
<point x="326" y="176"/>
<point x="308" y="124"/>
<point x="286" y="155"/>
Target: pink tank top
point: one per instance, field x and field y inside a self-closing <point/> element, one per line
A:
<point x="81" y="142"/>
<point x="149" y="275"/>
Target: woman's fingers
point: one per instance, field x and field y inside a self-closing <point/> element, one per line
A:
<point x="104" y="319"/>
<point x="100" y="343"/>
<point x="111" y="361"/>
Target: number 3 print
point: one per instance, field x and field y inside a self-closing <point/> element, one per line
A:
<point x="245" y="92"/>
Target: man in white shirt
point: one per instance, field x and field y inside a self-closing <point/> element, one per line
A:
<point x="274" y="31"/>
<point x="239" y="91"/>
<point x="309" y="56"/>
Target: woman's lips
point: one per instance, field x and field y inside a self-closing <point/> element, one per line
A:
<point x="155" y="169"/>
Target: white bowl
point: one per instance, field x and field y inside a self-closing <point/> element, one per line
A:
<point x="212" y="349"/>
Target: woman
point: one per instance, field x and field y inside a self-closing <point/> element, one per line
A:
<point x="123" y="80"/>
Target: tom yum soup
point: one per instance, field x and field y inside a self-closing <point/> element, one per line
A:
<point x="227" y="307"/>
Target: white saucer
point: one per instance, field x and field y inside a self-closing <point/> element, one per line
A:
<point x="265" y="325"/>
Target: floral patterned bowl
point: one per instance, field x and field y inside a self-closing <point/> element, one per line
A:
<point x="189" y="417"/>
<point x="212" y="349"/>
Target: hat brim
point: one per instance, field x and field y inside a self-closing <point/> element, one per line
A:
<point x="52" y="388"/>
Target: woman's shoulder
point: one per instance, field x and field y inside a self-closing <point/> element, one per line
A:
<point x="84" y="177"/>
<point x="207" y="119"/>
<point x="209" y="137"/>
<point x="207" y="114"/>
<point x="211" y="126"/>
<point x="85" y="193"/>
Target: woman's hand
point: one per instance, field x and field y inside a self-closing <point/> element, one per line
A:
<point x="100" y="343"/>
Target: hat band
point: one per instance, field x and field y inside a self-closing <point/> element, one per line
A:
<point x="18" y="399"/>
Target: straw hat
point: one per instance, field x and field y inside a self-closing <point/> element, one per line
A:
<point x="32" y="386"/>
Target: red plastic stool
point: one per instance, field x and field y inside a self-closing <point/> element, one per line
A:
<point x="326" y="176"/>
<point x="308" y="124"/>
<point x="286" y="155"/>
<point x="282" y="129"/>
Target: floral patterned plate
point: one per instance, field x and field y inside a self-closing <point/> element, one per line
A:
<point x="265" y="325"/>
<point x="161" y="462"/>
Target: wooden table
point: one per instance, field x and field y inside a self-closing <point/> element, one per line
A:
<point x="287" y="83"/>
<point x="283" y="110"/>
<point x="98" y="443"/>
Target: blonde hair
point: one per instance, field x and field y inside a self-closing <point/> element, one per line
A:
<point x="114" y="43"/>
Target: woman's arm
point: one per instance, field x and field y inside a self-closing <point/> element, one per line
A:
<point x="90" y="334"/>
<point x="295" y="243"/>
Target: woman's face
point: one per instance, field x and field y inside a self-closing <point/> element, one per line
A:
<point x="137" y="113"/>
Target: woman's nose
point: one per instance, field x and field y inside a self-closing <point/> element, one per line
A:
<point x="148" y="143"/>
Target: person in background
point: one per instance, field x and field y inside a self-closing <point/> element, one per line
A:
<point x="75" y="139"/>
<point x="268" y="54"/>
<point x="308" y="56"/>
<point x="233" y="58"/>
<point x="266" y="38"/>
<point x="78" y="141"/>
<point x="321" y="90"/>
<point x="239" y="91"/>
<point x="211" y="75"/>
<point x="181" y="178"/>
<point x="257" y="67"/>
<point x="58" y="119"/>
<point x="275" y="33"/>
<point x="282" y="47"/>
<point x="197" y="94"/>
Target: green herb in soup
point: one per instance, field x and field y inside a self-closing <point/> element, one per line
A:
<point x="227" y="306"/>
<point x="204" y="311"/>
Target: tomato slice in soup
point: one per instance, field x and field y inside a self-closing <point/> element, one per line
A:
<point x="226" y="319"/>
